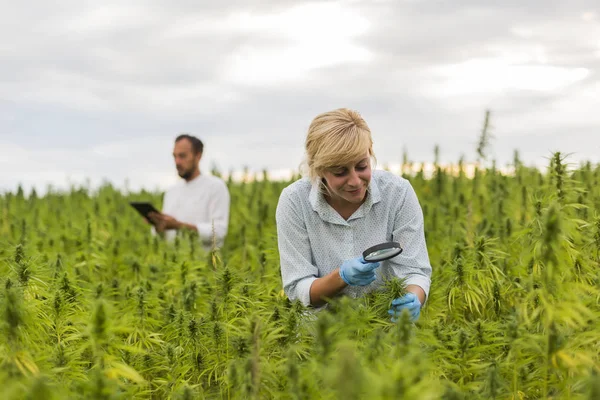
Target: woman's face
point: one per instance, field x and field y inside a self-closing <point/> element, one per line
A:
<point x="349" y="182"/>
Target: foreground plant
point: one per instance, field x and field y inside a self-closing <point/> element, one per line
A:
<point x="92" y="306"/>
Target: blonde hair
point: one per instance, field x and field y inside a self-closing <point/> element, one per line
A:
<point x="336" y="138"/>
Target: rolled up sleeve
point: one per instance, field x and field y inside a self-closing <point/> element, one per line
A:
<point x="297" y="271"/>
<point x="413" y="263"/>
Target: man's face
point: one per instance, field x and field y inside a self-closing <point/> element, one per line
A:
<point x="186" y="161"/>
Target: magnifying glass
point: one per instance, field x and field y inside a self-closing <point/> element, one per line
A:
<point x="382" y="251"/>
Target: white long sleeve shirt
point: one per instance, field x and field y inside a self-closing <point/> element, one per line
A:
<point x="314" y="240"/>
<point x="202" y="202"/>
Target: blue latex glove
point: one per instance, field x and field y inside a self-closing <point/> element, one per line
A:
<point x="358" y="272"/>
<point x="411" y="302"/>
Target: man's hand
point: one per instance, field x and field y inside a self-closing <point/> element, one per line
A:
<point x="163" y="222"/>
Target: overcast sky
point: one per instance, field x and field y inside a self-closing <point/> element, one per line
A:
<point x="99" y="90"/>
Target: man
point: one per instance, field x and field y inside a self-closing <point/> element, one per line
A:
<point x="200" y="202"/>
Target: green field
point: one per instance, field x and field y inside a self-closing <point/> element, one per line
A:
<point x="94" y="307"/>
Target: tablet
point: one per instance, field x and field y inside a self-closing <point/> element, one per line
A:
<point x="144" y="208"/>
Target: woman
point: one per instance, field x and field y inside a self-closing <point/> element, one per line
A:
<point x="326" y="221"/>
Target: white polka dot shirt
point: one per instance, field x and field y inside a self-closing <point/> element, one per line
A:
<point x="314" y="240"/>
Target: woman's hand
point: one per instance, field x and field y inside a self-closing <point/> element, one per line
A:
<point x="409" y="302"/>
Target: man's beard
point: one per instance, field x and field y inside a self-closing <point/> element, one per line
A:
<point x="186" y="174"/>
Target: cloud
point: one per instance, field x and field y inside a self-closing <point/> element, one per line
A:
<point x="117" y="162"/>
<point x="311" y="36"/>
<point x="101" y="90"/>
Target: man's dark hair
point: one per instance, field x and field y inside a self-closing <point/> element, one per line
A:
<point x="197" y="144"/>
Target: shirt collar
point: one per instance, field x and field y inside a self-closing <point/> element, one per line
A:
<point x="193" y="181"/>
<point x="328" y="214"/>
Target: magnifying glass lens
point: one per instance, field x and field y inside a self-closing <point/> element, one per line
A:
<point x="383" y="251"/>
